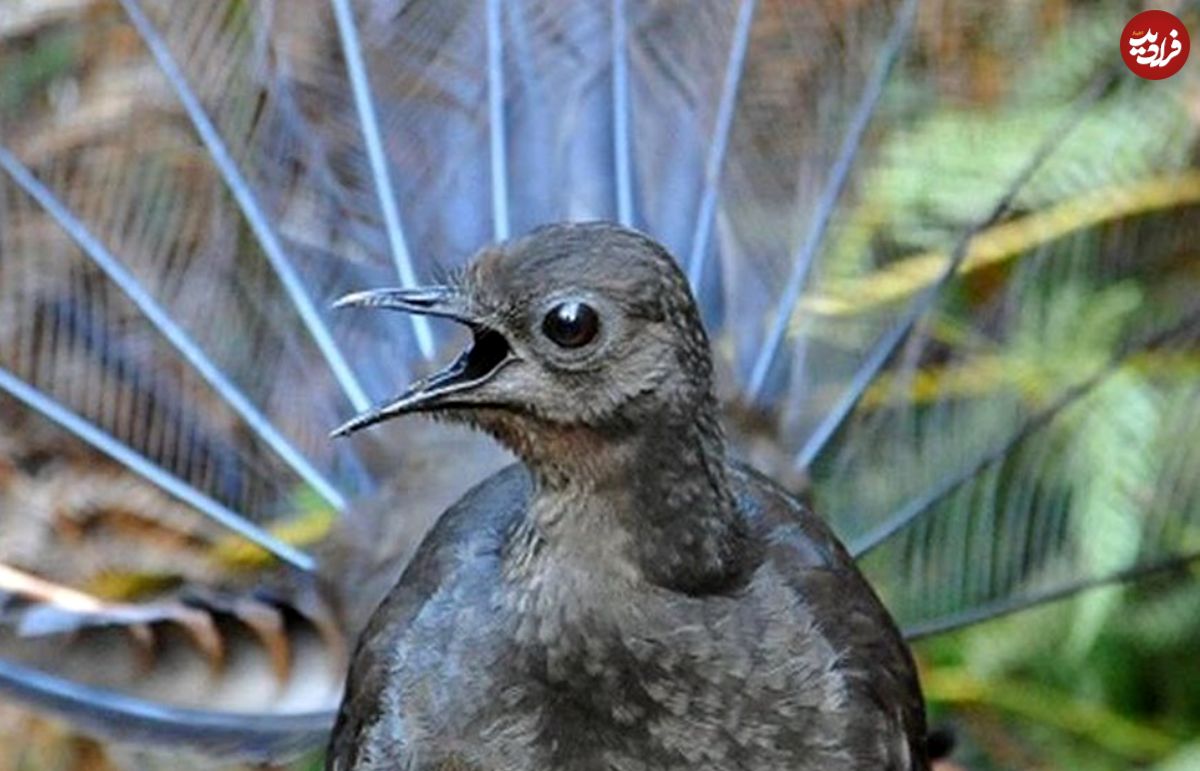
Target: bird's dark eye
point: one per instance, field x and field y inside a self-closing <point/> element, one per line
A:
<point x="571" y="324"/>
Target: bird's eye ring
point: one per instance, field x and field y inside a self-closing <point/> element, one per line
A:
<point x="571" y="324"/>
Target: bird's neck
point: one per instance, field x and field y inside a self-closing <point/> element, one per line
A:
<point x="651" y="498"/>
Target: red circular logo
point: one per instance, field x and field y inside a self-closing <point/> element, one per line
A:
<point x="1155" y="44"/>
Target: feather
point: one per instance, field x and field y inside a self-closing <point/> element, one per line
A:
<point x="146" y="468"/>
<point x="987" y="377"/>
<point x="888" y="343"/>
<point x="158" y="317"/>
<point x="348" y="29"/>
<point x="1054" y="477"/>
<point x="248" y="201"/>
<point x="698" y="253"/>
<point x="497" y="128"/>
<point x="623" y="171"/>
<point x="123" y="718"/>
<point x="828" y="200"/>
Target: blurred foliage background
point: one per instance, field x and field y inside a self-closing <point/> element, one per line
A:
<point x="1107" y="679"/>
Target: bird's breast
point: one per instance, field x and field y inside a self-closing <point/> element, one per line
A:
<point x="629" y="668"/>
<point x="569" y="667"/>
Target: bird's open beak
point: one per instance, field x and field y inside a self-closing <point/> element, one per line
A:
<point x="489" y="352"/>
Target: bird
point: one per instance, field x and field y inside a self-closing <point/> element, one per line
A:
<point x="627" y="595"/>
<point x="944" y="254"/>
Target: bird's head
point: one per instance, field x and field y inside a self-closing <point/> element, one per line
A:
<point x="575" y="327"/>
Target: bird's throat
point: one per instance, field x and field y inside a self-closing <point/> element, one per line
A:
<point x="654" y="501"/>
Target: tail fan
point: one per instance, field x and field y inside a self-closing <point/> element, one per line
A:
<point x="931" y="339"/>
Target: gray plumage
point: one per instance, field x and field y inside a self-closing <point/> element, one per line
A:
<point x="627" y="597"/>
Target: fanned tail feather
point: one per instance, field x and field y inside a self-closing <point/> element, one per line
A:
<point x="935" y="349"/>
<point x="260" y="738"/>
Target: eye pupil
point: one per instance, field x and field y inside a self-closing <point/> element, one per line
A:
<point x="571" y="324"/>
